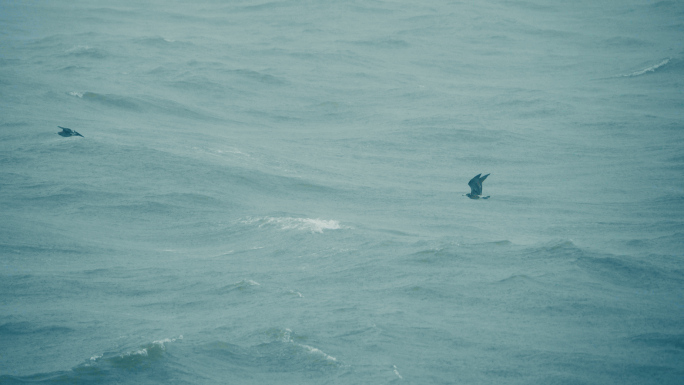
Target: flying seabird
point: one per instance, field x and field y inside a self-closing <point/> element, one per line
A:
<point x="476" y="187"/>
<point x="67" y="132"/>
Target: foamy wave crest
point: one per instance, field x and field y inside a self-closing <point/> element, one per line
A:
<point x="153" y="349"/>
<point x="652" y="68"/>
<point x="133" y="358"/>
<point x="286" y="336"/>
<point x="313" y="350"/>
<point x="243" y="285"/>
<point x="397" y="372"/>
<point x="305" y="224"/>
<point x="279" y="351"/>
<point x="85" y="51"/>
<point x="106" y="367"/>
<point x="246" y="283"/>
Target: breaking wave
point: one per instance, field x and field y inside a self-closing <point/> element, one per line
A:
<point x="106" y="367"/>
<point x="644" y="71"/>
<point x="302" y="224"/>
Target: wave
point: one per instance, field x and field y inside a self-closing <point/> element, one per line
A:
<point x="136" y="358"/>
<point x="15" y="124"/>
<point x="564" y="249"/>
<point x="283" y="352"/>
<point x="257" y="76"/>
<point x="157" y="41"/>
<point x="301" y="224"/>
<point x="388" y="43"/>
<point x="660" y="340"/>
<point x="437" y="255"/>
<point x="628" y="272"/>
<point x="107" y="367"/>
<point x="272" y="5"/>
<point x="81" y="51"/>
<point x="516" y="279"/>
<point x="32" y="249"/>
<point x="621" y="270"/>
<point x="134" y="104"/>
<point x="119" y="13"/>
<point x="673" y="243"/>
<point x="647" y="70"/>
<point x="622" y="41"/>
<point x="123" y="102"/>
<point x="200" y="84"/>
<point x="243" y="285"/>
<point x="21" y="328"/>
<point x="449" y="252"/>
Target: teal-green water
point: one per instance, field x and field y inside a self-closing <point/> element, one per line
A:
<point x="273" y="192"/>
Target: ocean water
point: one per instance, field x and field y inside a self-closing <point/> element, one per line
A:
<point x="271" y="192"/>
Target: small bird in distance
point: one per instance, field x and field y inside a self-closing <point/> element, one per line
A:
<point x="67" y="132"/>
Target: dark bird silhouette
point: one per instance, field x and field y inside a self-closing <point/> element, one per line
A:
<point x="67" y="132"/>
<point x="476" y="187"/>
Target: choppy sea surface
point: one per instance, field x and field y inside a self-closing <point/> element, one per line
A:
<point x="271" y="192"/>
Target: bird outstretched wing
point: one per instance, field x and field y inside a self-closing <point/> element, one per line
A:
<point x="68" y="132"/>
<point x="476" y="184"/>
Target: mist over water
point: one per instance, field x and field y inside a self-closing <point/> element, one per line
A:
<point x="273" y="192"/>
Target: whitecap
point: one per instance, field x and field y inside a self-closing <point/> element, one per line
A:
<point x="286" y="336"/>
<point x="85" y="51"/>
<point x="313" y="225"/>
<point x="139" y="352"/>
<point x="652" y="68"/>
<point x="78" y="49"/>
<point x="397" y="372"/>
<point x="313" y="350"/>
<point x="161" y="343"/>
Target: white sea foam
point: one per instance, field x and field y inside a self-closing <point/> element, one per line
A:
<point x="79" y="48"/>
<point x="145" y="351"/>
<point x="287" y="337"/>
<point x="313" y="350"/>
<point x="77" y="94"/>
<point x="303" y="224"/>
<point x="646" y="70"/>
<point x="139" y="352"/>
<point x="161" y="343"/>
<point x="219" y="152"/>
<point x="397" y="372"/>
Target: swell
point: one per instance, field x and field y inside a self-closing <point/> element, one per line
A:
<point x="630" y="272"/>
<point x="663" y="65"/>
<point x="281" y="351"/>
<point x="25" y="328"/>
<point x="274" y="354"/>
<point x="620" y="270"/>
<point x="149" y="362"/>
<point x="141" y="105"/>
<point x="652" y="68"/>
